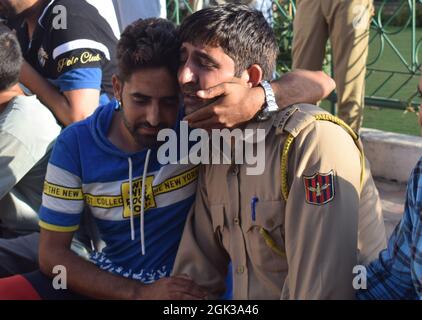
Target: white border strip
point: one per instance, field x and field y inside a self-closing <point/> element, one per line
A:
<point x="81" y="44"/>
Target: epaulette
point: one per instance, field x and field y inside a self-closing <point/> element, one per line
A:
<point x="296" y="118"/>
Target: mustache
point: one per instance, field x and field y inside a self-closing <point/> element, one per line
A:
<point x="190" y="89"/>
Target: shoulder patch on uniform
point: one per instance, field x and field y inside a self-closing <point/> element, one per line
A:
<point x="319" y="188"/>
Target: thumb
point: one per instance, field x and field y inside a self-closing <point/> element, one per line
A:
<point x="212" y="92"/>
<point x="183" y="276"/>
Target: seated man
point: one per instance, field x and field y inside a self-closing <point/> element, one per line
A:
<point x="27" y="132"/>
<point x="101" y="163"/>
<point x="297" y="230"/>
<point x="397" y="273"/>
<point x="70" y="53"/>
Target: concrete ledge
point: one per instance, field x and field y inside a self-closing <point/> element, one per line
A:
<point x="392" y="155"/>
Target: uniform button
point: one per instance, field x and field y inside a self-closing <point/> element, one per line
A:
<point x="236" y="221"/>
<point x="240" y="269"/>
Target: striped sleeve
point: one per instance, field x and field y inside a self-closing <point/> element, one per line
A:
<point x="396" y="273"/>
<point x="63" y="200"/>
<point x="78" y="55"/>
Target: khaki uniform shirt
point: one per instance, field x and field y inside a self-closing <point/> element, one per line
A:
<point x="304" y="247"/>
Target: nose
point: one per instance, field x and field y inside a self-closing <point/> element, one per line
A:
<point x="186" y="74"/>
<point x="153" y="114"/>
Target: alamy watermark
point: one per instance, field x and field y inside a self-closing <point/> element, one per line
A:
<point x="360" y="279"/>
<point x="60" y="17"/>
<point x="60" y="278"/>
<point x="197" y="146"/>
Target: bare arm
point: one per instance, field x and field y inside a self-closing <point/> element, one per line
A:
<point x="302" y="86"/>
<point x="87" y="279"/>
<point x="238" y="104"/>
<point x="69" y="107"/>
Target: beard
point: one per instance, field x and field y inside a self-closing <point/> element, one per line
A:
<point x="148" y="141"/>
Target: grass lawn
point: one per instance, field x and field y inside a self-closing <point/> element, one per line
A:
<point x="383" y="118"/>
<point x="387" y="119"/>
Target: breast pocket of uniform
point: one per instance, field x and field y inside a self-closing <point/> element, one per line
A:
<point x="220" y="229"/>
<point x="265" y="236"/>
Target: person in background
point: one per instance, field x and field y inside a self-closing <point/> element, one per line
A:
<point x="27" y="133"/>
<point x="346" y="24"/>
<point x="397" y="273"/>
<point x="107" y="10"/>
<point x="69" y="50"/>
<point x="128" y="11"/>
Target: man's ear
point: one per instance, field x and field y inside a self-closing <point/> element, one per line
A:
<point x="117" y="87"/>
<point x="255" y="75"/>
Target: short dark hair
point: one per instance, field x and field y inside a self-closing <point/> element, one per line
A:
<point x="149" y="43"/>
<point x="10" y="59"/>
<point x="242" y="32"/>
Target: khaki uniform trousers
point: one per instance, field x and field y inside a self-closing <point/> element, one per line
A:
<point x="346" y="23"/>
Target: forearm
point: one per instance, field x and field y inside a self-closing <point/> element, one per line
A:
<point x="237" y="104"/>
<point x="47" y="94"/>
<point x="302" y="86"/>
<point x="87" y="279"/>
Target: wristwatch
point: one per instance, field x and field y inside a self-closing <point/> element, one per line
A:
<point x="270" y="107"/>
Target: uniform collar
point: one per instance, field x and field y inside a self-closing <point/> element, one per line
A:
<point x="277" y="121"/>
<point x="41" y="18"/>
<point x="251" y="130"/>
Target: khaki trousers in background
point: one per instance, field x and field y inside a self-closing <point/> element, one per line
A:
<point x="346" y="23"/>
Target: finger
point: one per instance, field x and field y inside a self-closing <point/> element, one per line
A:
<point x="201" y="114"/>
<point x="220" y="89"/>
<point x="181" y="282"/>
<point x="184" y="276"/>
<point x="194" y="290"/>
<point x="212" y="92"/>
<point x="188" y="286"/>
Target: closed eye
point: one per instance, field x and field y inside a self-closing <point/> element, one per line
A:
<point x="204" y="63"/>
<point x="140" y="99"/>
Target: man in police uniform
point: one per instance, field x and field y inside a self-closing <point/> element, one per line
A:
<point x="297" y="230"/>
<point x="70" y="52"/>
<point x="346" y="23"/>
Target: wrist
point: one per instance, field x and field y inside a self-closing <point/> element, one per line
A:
<point x="138" y="292"/>
<point x="270" y="107"/>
